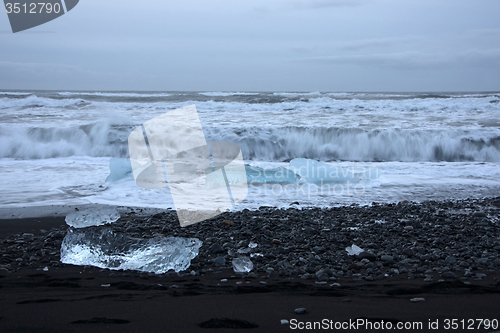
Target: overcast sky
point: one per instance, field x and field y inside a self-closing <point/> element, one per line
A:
<point x="262" y="45"/>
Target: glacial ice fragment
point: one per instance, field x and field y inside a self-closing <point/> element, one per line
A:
<point x="92" y="217"/>
<point x="242" y="265"/>
<point x="101" y="247"/>
<point x="354" y="250"/>
<point x="119" y="168"/>
<point x="258" y="175"/>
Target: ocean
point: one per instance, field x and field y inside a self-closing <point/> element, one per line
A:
<point x="56" y="146"/>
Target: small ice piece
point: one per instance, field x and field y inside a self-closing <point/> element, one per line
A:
<point x="417" y="299"/>
<point x="252" y="245"/>
<point x="119" y="168"/>
<point x="92" y="217"/>
<point x="103" y="248"/>
<point x="242" y="265"/>
<point x="354" y="250"/>
<point x="284" y="322"/>
<point x="244" y="251"/>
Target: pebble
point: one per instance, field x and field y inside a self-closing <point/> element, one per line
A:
<point x="227" y="222"/>
<point x="219" y="261"/>
<point x="367" y="255"/>
<point x="300" y="311"/>
<point x="216" y="248"/>
<point x="449" y="275"/>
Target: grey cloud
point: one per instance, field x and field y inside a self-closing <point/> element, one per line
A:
<point x="60" y="76"/>
<point x="287" y="5"/>
<point x="417" y="60"/>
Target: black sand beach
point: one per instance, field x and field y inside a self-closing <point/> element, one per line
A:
<point x="429" y="261"/>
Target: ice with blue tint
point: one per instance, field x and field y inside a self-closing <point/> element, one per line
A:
<point x="270" y="175"/>
<point x="119" y="168"/>
<point x="101" y="247"/>
<point x="322" y="173"/>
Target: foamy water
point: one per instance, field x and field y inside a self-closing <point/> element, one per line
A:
<point x="56" y="146"/>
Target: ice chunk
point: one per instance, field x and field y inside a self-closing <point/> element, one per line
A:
<point x="242" y="265"/>
<point x="119" y="168"/>
<point x="244" y="251"/>
<point x="252" y="245"/>
<point x="354" y="250"/>
<point x="92" y="217"/>
<point x="101" y="247"/>
<point x="258" y="175"/>
<point x="253" y="174"/>
<point x="322" y="173"/>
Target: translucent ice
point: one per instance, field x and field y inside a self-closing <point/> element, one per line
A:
<point x="92" y="217"/>
<point x="353" y="250"/>
<point x="119" y="168"/>
<point x="242" y="265"/>
<point x="321" y="173"/>
<point x="274" y="175"/>
<point x="254" y="175"/>
<point x="103" y="248"/>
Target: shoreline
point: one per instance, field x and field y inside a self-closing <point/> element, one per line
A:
<point x="446" y="252"/>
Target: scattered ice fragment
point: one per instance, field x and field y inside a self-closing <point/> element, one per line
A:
<point x="252" y="245"/>
<point x="242" y="265"/>
<point x="103" y="248"/>
<point x="252" y="255"/>
<point x="244" y="251"/>
<point x="45" y="269"/>
<point x="119" y="168"/>
<point x="106" y="285"/>
<point x="284" y="322"/>
<point x="92" y="217"/>
<point x="417" y="299"/>
<point x="354" y="250"/>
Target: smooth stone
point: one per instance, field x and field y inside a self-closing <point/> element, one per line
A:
<point x="219" y="261"/>
<point x="449" y="275"/>
<point x="300" y="311"/>
<point x="367" y="255"/>
<point x="216" y="248"/>
<point x="450" y="260"/>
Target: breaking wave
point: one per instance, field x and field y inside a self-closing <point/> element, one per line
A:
<point x="104" y="138"/>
